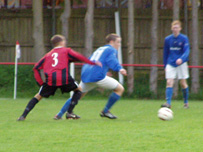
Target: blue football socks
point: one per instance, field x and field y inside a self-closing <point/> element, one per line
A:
<point x="185" y="94"/>
<point x="112" y="100"/>
<point x="64" y="108"/>
<point x="169" y="94"/>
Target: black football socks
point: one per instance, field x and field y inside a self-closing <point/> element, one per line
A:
<point x="30" y="106"/>
<point x="74" y="101"/>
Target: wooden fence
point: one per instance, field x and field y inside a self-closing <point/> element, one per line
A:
<point x="17" y="25"/>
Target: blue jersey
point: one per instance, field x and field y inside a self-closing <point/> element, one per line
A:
<point x="107" y="55"/>
<point x="175" y="48"/>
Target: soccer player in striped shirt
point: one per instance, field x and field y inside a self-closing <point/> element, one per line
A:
<point x="55" y="65"/>
<point x="175" y="56"/>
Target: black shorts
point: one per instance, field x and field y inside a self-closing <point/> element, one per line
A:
<point x="46" y="90"/>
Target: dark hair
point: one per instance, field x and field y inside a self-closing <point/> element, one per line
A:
<point x="111" y="37"/>
<point x="56" y="39"/>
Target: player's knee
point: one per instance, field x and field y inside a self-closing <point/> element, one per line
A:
<point x="76" y="96"/>
<point x="78" y="89"/>
<point x="169" y="83"/>
<point x="122" y="89"/>
<point x="119" y="90"/>
<point x="78" y="93"/>
<point x="74" y="102"/>
<point x="38" y="96"/>
<point x="183" y="84"/>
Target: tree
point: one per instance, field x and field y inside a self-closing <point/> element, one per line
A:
<point x="176" y="8"/>
<point x="130" y="46"/>
<point x="154" y="46"/>
<point x="185" y="17"/>
<point x="38" y="32"/>
<point x="176" y="5"/>
<point x="65" y="18"/>
<point x="195" y="48"/>
<point x="89" y="29"/>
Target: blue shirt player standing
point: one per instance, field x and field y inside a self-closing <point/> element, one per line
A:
<point x="93" y="77"/>
<point x="175" y="57"/>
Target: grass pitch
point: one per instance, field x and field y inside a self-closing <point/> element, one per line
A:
<point x="137" y="130"/>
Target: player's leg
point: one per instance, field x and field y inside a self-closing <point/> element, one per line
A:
<point x="70" y="114"/>
<point x="170" y="75"/>
<point x="84" y="88"/>
<point x="71" y="102"/>
<point x="169" y="91"/>
<point x="45" y="91"/>
<point x="183" y="74"/>
<point x="65" y="108"/>
<point x="31" y="104"/>
<point x="74" y="100"/>
<point x="114" y="97"/>
<point x="69" y="105"/>
<point x="112" y="84"/>
<point x="185" y="90"/>
<point x="71" y="86"/>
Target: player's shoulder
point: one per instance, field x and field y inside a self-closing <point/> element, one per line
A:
<point x="110" y="48"/>
<point x="168" y="37"/>
<point x="107" y="49"/>
<point x="183" y="36"/>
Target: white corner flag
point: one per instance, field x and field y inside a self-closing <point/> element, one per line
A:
<point x="18" y="52"/>
<point x="17" y="56"/>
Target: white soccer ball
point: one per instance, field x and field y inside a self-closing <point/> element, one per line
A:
<point x="165" y="114"/>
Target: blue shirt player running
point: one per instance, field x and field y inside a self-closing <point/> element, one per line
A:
<point x="93" y="77"/>
<point x="175" y="56"/>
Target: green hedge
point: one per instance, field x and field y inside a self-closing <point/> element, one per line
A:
<point x="27" y="86"/>
<point x="26" y="82"/>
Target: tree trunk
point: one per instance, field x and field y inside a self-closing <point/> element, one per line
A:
<point x="89" y="29"/>
<point x="65" y="19"/>
<point x="154" y="46"/>
<point x="176" y="8"/>
<point x="38" y="32"/>
<point x="130" y="46"/>
<point x="185" y="18"/>
<point x="176" y="13"/>
<point x="195" y="47"/>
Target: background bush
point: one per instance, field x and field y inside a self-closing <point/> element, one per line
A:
<point x="27" y="86"/>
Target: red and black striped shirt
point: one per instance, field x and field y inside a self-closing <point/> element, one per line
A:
<point x="55" y="65"/>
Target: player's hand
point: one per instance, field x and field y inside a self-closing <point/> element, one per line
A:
<point x="109" y="74"/>
<point x="98" y="63"/>
<point x="179" y="61"/>
<point x="123" y="72"/>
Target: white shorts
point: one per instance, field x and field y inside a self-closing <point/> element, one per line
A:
<point x="180" y="71"/>
<point x="106" y="83"/>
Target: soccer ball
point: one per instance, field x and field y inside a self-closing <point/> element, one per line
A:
<point x="165" y="114"/>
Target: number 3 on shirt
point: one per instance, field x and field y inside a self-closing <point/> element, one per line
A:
<point x="55" y="55"/>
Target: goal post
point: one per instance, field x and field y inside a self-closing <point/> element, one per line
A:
<point x="118" y="31"/>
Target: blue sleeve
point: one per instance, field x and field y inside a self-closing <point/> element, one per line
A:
<point x="186" y="49"/>
<point x="166" y="52"/>
<point x="113" y="63"/>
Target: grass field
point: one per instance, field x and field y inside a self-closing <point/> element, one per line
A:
<point x="137" y="130"/>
